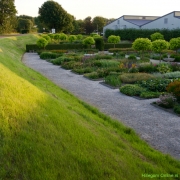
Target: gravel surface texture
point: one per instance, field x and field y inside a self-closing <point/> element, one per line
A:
<point x="157" y="127"/>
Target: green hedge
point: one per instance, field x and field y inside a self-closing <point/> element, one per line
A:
<point x="110" y="45"/>
<point x="132" y="34"/>
<point x="34" y="47"/>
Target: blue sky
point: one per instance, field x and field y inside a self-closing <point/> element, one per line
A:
<point x="106" y="8"/>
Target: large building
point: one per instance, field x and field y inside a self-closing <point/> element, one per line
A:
<point x="168" y="21"/>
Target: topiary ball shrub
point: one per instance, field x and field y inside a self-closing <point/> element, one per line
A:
<point x="174" y="87"/>
<point x="132" y="90"/>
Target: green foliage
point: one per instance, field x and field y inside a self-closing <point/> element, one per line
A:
<point x="79" y="36"/>
<point x="175" y="43"/>
<point x="67" y="46"/>
<point x="106" y="63"/>
<point x="147" y="68"/>
<point x="164" y="68"/>
<point x="72" y="38"/>
<point x="24" y="24"/>
<point x="159" y="45"/>
<point x="42" y="43"/>
<point x="89" y="41"/>
<point x="7" y="16"/>
<point x="155" y="85"/>
<point x="174" y="87"/>
<point x="150" y="94"/>
<point x="54" y="16"/>
<point x="132" y="90"/>
<point x="132" y="57"/>
<point x="99" y="43"/>
<point x="63" y="37"/>
<point x="177" y="108"/>
<point x="114" y="39"/>
<point x="49" y="55"/>
<point x="132" y="78"/>
<point x="92" y="75"/>
<point x="47" y="133"/>
<point x="46" y="37"/>
<point x="112" y="80"/>
<point x="176" y="57"/>
<point x="132" y="34"/>
<point x="142" y="44"/>
<point x="172" y="75"/>
<point x="156" y="36"/>
<point x="98" y="23"/>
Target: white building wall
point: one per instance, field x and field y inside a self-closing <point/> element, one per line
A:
<point x="120" y="23"/>
<point x="166" y="22"/>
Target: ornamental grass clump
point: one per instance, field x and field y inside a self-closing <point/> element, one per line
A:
<point x="166" y="100"/>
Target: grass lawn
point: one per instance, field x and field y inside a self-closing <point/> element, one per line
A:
<point x="48" y="134"/>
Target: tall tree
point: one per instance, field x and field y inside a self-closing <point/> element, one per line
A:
<point x="88" y="25"/>
<point x="98" y="23"/>
<point x="24" y="24"/>
<point x="7" y="15"/>
<point x="54" y="16"/>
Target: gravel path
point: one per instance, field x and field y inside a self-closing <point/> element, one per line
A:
<point x="157" y="127"/>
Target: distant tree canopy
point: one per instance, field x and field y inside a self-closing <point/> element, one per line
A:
<point x="98" y="23"/>
<point x="7" y="16"/>
<point x="54" y="16"/>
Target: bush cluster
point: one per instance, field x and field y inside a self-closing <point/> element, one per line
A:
<point x="132" y="34"/>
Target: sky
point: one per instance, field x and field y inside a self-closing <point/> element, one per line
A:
<point x="81" y="9"/>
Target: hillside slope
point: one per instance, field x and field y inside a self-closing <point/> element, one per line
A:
<point x="48" y="134"/>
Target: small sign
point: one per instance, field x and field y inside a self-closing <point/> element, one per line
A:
<point x="53" y="31"/>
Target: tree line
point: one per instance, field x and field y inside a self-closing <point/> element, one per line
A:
<point x="51" y="16"/>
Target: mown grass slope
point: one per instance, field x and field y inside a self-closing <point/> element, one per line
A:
<point x="48" y="134"/>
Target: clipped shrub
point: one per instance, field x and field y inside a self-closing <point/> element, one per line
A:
<point x="92" y="75"/>
<point x="105" y="63"/>
<point x="142" y="45"/>
<point x="132" y="90"/>
<point x="134" y="77"/>
<point x="47" y="38"/>
<point x="150" y="94"/>
<point x="102" y="56"/>
<point x="112" y="50"/>
<point x="88" y="41"/>
<point x="42" y="43"/>
<point x="114" y="39"/>
<point x="132" y="57"/>
<point x="99" y="43"/>
<point x="83" y="70"/>
<point x="72" y="38"/>
<point x="49" y="55"/>
<point x="174" y="87"/>
<point x="156" y="36"/>
<point x="112" y="80"/>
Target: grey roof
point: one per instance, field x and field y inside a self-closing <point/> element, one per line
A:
<point x="139" y="22"/>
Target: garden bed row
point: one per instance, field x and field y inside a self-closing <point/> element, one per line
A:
<point x="134" y="77"/>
